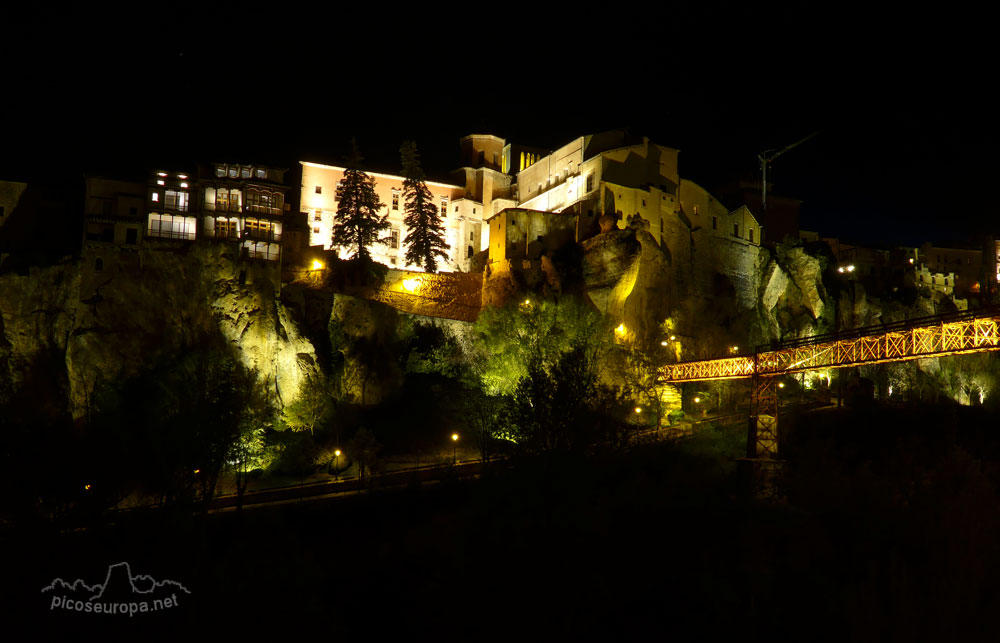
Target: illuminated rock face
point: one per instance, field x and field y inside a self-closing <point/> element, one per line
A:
<point x="366" y="329"/>
<point x="628" y="276"/>
<point x="114" y="323"/>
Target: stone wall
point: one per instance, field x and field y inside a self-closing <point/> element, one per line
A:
<point x="449" y="295"/>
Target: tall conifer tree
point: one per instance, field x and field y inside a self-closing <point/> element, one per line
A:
<point x="359" y="220"/>
<point x="425" y="232"/>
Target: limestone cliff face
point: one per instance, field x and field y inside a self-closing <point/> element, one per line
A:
<point x="113" y="323"/>
<point x="628" y="276"/>
<point x="366" y="329"/>
<point x="793" y="300"/>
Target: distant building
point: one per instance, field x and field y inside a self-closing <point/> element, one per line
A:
<point x="965" y="263"/>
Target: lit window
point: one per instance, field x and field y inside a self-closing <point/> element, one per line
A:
<point x="232" y="172"/>
<point x="182" y="176"/>
<point x="184" y="185"/>
<point x="245" y="172"/>
<point x="160" y="182"/>
<point x="156" y="196"/>
<point x="220" y="171"/>
<point x="261" y="173"/>
<point x="176" y="200"/>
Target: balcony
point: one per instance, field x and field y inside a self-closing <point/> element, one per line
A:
<point x="264" y="209"/>
<point x="170" y="234"/>
<point x="262" y="235"/>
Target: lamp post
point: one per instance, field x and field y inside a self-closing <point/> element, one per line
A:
<point x="336" y="465"/>
<point x="454" y="447"/>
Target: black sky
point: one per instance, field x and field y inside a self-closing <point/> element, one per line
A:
<point x="903" y="102"/>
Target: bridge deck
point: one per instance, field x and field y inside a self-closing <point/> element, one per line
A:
<point x="949" y="334"/>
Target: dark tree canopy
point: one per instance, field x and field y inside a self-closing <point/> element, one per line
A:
<point x="359" y="220"/>
<point x="425" y="237"/>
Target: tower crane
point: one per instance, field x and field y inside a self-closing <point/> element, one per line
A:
<point x="766" y="157"/>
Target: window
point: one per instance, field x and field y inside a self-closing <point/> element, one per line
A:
<point x="750" y="234"/>
<point x="444" y="207"/>
<point x="590" y="183"/>
<point x="232" y="172"/>
<point x="318" y="216"/>
<point x="316" y="229"/>
<point x="176" y="201"/>
<point x="220" y="171"/>
<point x="132" y="211"/>
<point x="156" y="197"/>
<point x="736" y="229"/>
<point x="715" y="222"/>
<point x="245" y="172"/>
<point x="319" y="189"/>
<point x="395" y="199"/>
<point x="471" y="236"/>
<point x="394" y="238"/>
<point x="261" y="173"/>
<point x="644" y="203"/>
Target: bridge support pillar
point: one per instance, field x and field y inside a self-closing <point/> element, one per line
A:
<point x="762" y="438"/>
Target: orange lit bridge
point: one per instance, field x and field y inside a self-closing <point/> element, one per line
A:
<point x="934" y="336"/>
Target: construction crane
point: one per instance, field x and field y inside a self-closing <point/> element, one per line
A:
<point x="766" y="157"/>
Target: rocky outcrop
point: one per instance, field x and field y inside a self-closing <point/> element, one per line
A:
<point x="364" y="330"/>
<point x="113" y="323"/>
<point x="627" y="275"/>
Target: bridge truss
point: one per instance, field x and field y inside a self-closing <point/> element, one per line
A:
<point x="949" y="334"/>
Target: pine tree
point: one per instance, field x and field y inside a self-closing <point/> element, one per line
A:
<point x="358" y="220"/>
<point x="425" y="236"/>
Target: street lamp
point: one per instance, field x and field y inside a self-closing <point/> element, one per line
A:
<point x="454" y="446"/>
<point x="336" y="463"/>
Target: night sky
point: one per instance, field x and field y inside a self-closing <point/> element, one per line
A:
<point x="902" y="103"/>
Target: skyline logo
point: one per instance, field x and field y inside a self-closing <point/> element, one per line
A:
<point x="121" y="593"/>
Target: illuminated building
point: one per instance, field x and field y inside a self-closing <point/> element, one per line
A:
<point x="171" y="211"/>
<point x="243" y="204"/>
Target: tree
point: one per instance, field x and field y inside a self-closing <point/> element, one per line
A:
<point x="358" y="221"/>
<point x="425" y="237"/>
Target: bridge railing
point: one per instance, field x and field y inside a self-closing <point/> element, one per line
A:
<point x="948" y="334"/>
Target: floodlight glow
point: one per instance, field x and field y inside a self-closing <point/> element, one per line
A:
<point x="697" y="400"/>
<point x="337" y="453"/>
<point x="663" y="343"/>
<point x="411" y="285"/>
<point x="317" y="264"/>
<point x="638" y="409"/>
<point x="454" y="437"/>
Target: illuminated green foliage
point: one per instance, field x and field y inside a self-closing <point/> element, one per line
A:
<point x="512" y="338"/>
